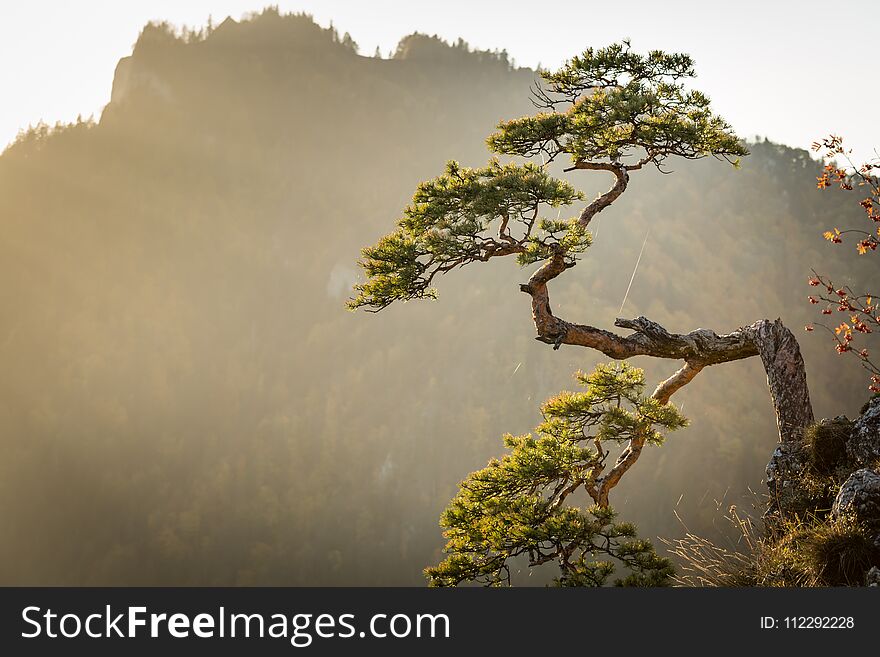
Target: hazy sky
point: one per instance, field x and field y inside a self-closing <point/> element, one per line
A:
<point x="789" y="70"/>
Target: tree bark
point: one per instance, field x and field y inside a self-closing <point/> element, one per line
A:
<point x="786" y="376"/>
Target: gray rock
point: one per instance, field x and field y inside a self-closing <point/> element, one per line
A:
<point x="785" y="466"/>
<point x="787" y="462"/>
<point x="863" y="447"/>
<point x="873" y="578"/>
<point x="860" y="497"/>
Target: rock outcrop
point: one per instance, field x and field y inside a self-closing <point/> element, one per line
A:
<point x="863" y="446"/>
<point x="829" y="484"/>
<point x="784" y="470"/>
<point x="859" y="498"/>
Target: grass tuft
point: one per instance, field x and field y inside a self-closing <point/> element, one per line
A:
<point x="826" y="442"/>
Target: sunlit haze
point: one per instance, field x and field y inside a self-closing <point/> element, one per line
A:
<point x="791" y="71"/>
<point x="185" y="398"/>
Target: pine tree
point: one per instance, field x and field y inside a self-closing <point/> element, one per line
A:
<point x="516" y="507"/>
<point x="607" y="110"/>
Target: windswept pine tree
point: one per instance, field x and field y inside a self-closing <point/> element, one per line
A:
<point x="608" y="110"/>
<point x="516" y="506"/>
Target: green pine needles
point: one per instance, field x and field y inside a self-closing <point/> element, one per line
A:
<point x="447" y="225"/>
<point x="516" y="506"/>
<point x="611" y="103"/>
<point x="607" y="109"/>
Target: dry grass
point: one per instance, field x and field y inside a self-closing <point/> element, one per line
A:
<point x="810" y="551"/>
<point x="703" y="563"/>
<point x="841" y="553"/>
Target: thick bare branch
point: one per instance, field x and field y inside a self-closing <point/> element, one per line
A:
<point x="677" y="381"/>
<point x="776" y="345"/>
<point x="702" y="346"/>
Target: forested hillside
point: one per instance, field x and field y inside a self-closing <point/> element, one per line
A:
<point x="184" y="398"/>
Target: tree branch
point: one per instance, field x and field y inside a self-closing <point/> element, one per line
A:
<point x="622" y="179"/>
<point x="677" y="381"/>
